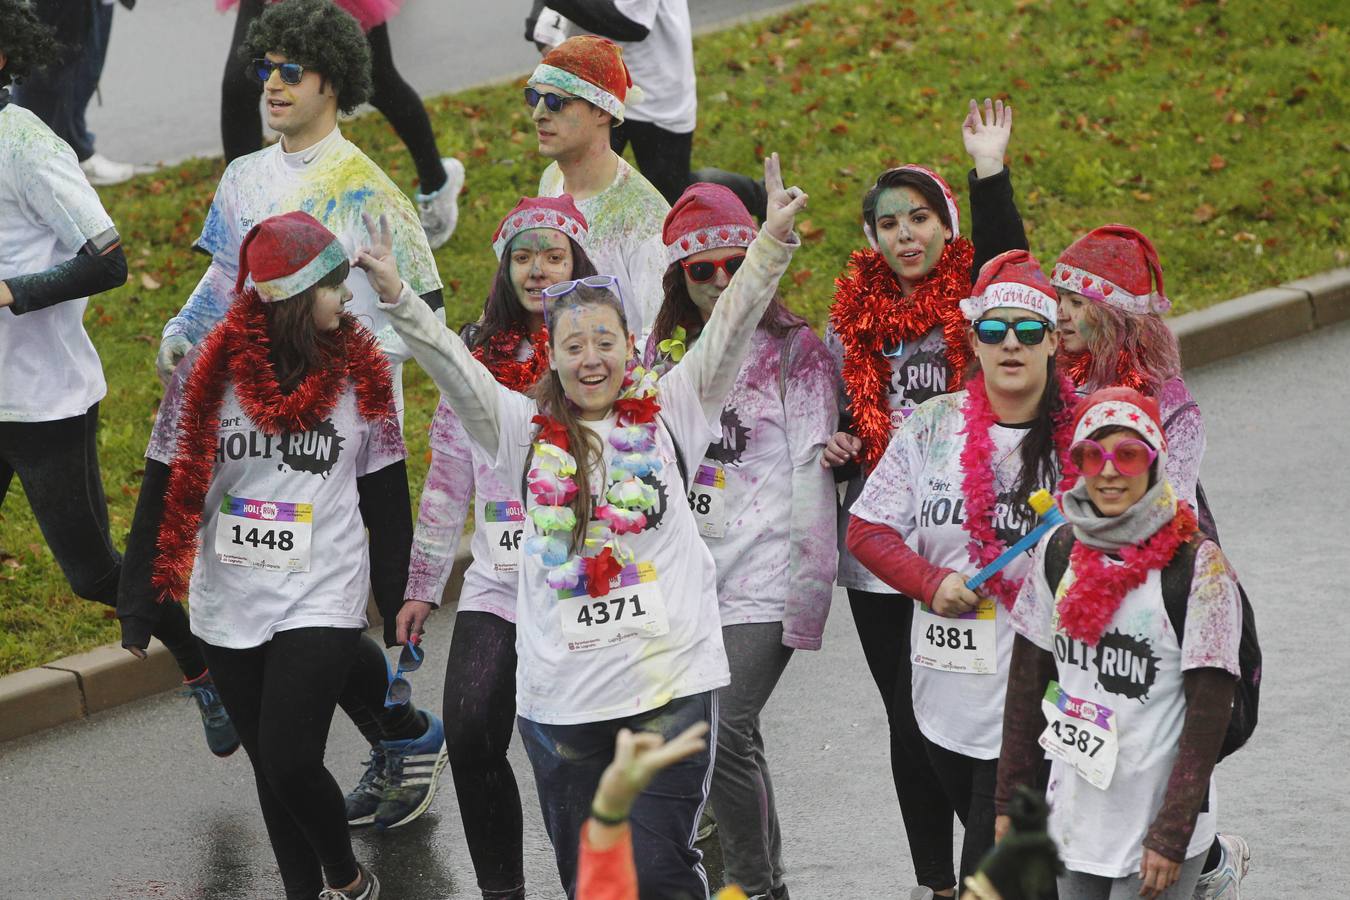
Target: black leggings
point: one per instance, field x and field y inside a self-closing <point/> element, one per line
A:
<point x="883" y="622"/>
<point x="281" y="698"/>
<point x="969" y="784"/>
<point x="57" y="464"/>
<point x="479" y="711"/>
<point x="662" y="156"/>
<point x="241" y="128"/>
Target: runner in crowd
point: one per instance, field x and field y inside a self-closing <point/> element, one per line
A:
<point x="579" y="93"/>
<point x="320" y="49"/>
<point x="617" y="619"/>
<point x="658" y="48"/>
<point x="764" y="506"/>
<point x="279" y="585"/>
<point x="539" y="243"/>
<point x="439" y="180"/>
<point x="1137" y="688"/>
<point x="57" y="247"/>
<point x="1111" y="301"/>
<point x="899" y="339"/>
<point x="948" y="497"/>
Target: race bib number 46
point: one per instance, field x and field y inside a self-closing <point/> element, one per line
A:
<point x="503" y="522"/>
<point x="1080" y="733"/>
<point x="968" y="643"/>
<point x="633" y="608"/>
<point x="264" y="534"/>
<point x="707" y="499"/>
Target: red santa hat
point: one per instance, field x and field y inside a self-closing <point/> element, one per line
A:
<point x="1015" y="279"/>
<point x="283" y="255"/>
<point x="593" y="69"/>
<point x="953" y="212"/>
<point x="706" y="217"/>
<point x="558" y="213"/>
<point x="1116" y="265"/>
<point x="1121" y="406"/>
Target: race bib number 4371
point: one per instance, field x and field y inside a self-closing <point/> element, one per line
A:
<point x="1080" y="733"/>
<point x="264" y="534"/>
<point x="633" y="608"/>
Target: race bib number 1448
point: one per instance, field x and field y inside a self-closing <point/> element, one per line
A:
<point x="264" y="534"/>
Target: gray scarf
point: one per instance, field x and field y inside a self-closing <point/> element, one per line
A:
<point x="1132" y="527"/>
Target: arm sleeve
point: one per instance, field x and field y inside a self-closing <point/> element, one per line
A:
<point x="465" y="384"/>
<point x="710" y="368"/>
<point x="442" y="511"/>
<point x="813" y="552"/>
<point x="87" y="273"/>
<point x="1209" y="704"/>
<point x="604" y="17"/>
<point x="136" y="604"/>
<point x="1029" y="672"/>
<point x="1185" y="449"/>
<point x="384" y="509"/>
<point x="606" y="874"/>
<point x="1213" y="614"/>
<point x="885" y="553"/>
<point x="996" y="225"/>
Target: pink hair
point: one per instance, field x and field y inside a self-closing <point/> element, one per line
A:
<point x="1124" y="344"/>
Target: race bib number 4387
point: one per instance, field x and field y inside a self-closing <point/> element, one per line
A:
<point x="633" y="608"/>
<point x="1080" y="733"/>
<point x="264" y="534"/>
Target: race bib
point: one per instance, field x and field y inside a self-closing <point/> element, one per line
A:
<point x="503" y="522"/>
<point x="707" y="499"/>
<point x="1080" y="733"/>
<point x="967" y="644"/>
<point x="633" y="608"/>
<point x="264" y="534"/>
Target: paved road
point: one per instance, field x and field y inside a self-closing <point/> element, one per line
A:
<point x="128" y="804"/>
<point x="161" y="85"/>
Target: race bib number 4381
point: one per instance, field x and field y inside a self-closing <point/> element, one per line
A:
<point x="264" y="534"/>
<point x="967" y="643"/>
<point x="633" y="608"/>
<point x="1080" y="733"/>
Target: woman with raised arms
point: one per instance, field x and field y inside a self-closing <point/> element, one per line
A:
<point x="539" y="243"/>
<point x="765" y="508"/>
<point x="617" y="618"/>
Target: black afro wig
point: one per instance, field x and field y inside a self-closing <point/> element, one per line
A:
<point x="318" y="35"/>
<point x="25" y="40"/>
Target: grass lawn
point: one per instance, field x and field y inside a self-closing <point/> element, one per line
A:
<point x="1215" y="127"/>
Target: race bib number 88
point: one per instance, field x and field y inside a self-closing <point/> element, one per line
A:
<point x="707" y="500"/>
<point x="264" y="534"/>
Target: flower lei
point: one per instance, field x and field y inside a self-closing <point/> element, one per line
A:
<point x="1099" y="587"/>
<point x="977" y="484"/>
<point x="869" y="313"/>
<point x="236" y="351"/>
<point x="628" y="498"/>
<point x="498" y="354"/>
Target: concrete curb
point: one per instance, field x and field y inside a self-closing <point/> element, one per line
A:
<point x="74" y="687"/>
<point x="78" y="686"/>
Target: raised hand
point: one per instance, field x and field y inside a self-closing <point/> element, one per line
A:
<point x="377" y="260"/>
<point x="783" y="203"/>
<point x="986" y="135"/>
<point x="638" y="756"/>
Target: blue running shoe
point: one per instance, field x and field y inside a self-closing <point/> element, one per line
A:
<point x="220" y="734"/>
<point x="412" y="769"/>
<point x="365" y="798"/>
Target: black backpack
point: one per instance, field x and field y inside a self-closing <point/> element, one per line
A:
<point x="1176" y="591"/>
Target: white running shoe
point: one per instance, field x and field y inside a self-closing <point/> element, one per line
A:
<point x="102" y="171"/>
<point x="439" y="211"/>
<point x="1225" y="881"/>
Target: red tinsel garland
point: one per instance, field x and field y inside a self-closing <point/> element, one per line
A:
<point x="1079" y="365"/>
<point x="1099" y="587"/>
<point x="236" y="351"/>
<point x="870" y="313"/>
<point x="498" y="354"/>
<point x="977" y="485"/>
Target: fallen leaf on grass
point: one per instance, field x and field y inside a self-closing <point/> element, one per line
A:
<point x="149" y="283"/>
<point x="800" y="276"/>
<point x="810" y="231"/>
<point x="1217" y="162"/>
<point x="1204" y="213"/>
